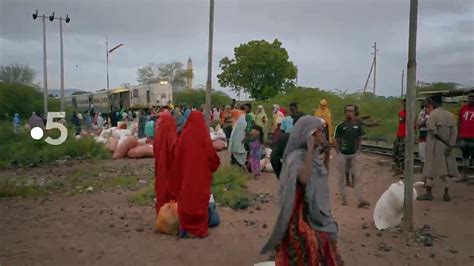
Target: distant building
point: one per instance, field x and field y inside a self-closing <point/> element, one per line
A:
<point x="189" y="71"/>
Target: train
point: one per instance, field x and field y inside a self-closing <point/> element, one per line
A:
<point x="131" y="98"/>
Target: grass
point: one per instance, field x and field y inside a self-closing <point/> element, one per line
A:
<point x="75" y="183"/>
<point x="22" y="150"/>
<point x="228" y="187"/>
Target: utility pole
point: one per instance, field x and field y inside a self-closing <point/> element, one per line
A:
<point x="61" y="91"/>
<point x="411" y="101"/>
<point x="368" y="77"/>
<point x="45" y="66"/>
<point x="375" y="65"/>
<point x="107" y="59"/>
<point x="209" y="64"/>
<point x="403" y="79"/>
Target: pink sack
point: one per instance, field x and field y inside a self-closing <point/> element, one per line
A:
<point x="112" y="144"/>
<point x="142" y="151"/>
<point x="124" y="147"/>
<point x="219" y="144"/>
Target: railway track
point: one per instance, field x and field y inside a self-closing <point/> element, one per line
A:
<point x="388" y="151"/>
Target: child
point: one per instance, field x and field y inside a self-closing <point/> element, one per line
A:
<point x="256" y="149"/>
<point x="149" y="129"/>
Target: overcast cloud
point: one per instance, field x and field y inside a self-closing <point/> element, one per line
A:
<point x="329" y="41"/>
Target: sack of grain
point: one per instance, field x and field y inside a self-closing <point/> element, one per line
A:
<point x="124" y="147"/>
<point x="142" y="151"/>
<point x="111" y="144"/>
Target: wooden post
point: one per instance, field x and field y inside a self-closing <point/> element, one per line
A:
<point x="209" y="65"/>
<point x="411" y="109"/>
<point x="403" y="80"/>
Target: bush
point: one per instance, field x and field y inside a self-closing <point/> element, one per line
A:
<point x="21" y="149"/>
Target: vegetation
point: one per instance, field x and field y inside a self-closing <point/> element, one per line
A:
<point x="17" y="74"/>
<point x="228" y="187"/>
<point x="22" y="99"/>
<point x="22" y="150"/>
<point x="76" y="183"/>
<point x="260" y="68"/>
<point x="197" y="98"/>
<point x="172" y="72"/>
<point x="379" y="108"/>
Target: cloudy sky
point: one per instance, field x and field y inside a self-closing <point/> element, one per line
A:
<point x="329" y="40"/>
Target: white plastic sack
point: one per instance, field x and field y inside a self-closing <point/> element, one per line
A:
<point x="119" y="133"/>
<point x="220" y="133"/>
<point x="142" y="141"/>
<point x="265" y="263"/>
<point x="388" y="211"/>
<point x="266" y="165"/>
<point x="268" y="152"/>
<point x="100" y="139"/>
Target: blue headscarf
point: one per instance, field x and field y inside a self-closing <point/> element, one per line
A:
<point x="182" y="121"/>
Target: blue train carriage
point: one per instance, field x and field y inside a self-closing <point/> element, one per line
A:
<point x="144" y="96"/>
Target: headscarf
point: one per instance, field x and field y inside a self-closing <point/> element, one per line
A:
<point x="193" y="164"/>
<point x="287" y="124"/>
<point x="260" y="116"/>
<point x="163" y="148"/>
<point x="316" y="191"/>
<point x="182" y="121"/>
<point x="324" y="113"/>
<point x="236" y="113"/>
<point x="236" y="145"/>
<point x="278" y="117"/>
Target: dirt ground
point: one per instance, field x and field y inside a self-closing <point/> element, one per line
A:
<point x="104" y="228"/>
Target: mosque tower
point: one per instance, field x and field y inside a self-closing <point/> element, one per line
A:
<point x="189" y="78"/>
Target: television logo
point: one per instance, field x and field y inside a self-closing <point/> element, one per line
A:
<point x="37" y="132"/>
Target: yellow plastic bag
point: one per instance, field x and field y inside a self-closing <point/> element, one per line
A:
<point x="167" y="221"/>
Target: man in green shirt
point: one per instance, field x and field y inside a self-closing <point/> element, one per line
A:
<point x="348" y="136"/>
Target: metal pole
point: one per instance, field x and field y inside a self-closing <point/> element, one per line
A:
<point x="62" y="63"/>
<point x="209" y="65"/>
<point x="375" y="65"/>
<point x="45" y="71"/>
<point x="107" y="59"/>
<point x="411" y="101"/>
<point x="403" y="79"/>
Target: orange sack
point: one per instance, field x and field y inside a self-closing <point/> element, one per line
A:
<point x="167" y="221"/>
<point x="142" y="151"/>
<point x="122" y="149"/>
<point x="112" y="144"/>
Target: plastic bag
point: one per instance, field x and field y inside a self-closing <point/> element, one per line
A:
<point x="214" y="219"/>
<point x="124" y="147"/>
<point x="167" y="220"/>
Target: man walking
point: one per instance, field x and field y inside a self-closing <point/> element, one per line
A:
<point x="466" y="134"/>
<point x="440" y="159"/>
<point x="347" y="137"/>
<point x="399" y="144"/>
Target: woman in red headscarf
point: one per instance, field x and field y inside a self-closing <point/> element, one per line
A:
<point x="163" y="149"/>
<point x="195" y="160"/>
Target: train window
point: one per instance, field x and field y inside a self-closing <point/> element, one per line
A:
<point x="148" y="97"/>
<point x="163" y="96"/>
<point x="135" y="93"/>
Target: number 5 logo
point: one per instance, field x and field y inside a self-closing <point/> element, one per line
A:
<point x="50" y="124"/>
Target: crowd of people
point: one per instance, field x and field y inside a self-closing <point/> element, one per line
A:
<point x="438" y="136"/>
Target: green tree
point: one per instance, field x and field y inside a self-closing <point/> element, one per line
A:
<point x="196" y="98"/>
<point x="147" y="74"/>
<point x="260" y="68"/>
<point x="172" y="72"/>
<point x="17" y="74"/>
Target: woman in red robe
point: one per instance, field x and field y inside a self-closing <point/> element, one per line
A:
<point x="194" y="162"/>
<point x="163" y="149"/>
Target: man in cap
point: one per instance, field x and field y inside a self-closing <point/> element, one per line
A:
<point x="440" y="159"/>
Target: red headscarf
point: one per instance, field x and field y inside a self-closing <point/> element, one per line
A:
<point x="163" y="148"/>
<point x="194" y="162"/>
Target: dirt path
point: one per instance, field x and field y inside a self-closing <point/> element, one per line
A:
<point x="105" y="229"/>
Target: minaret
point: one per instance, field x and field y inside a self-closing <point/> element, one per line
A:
<point x="189" y="78"/>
